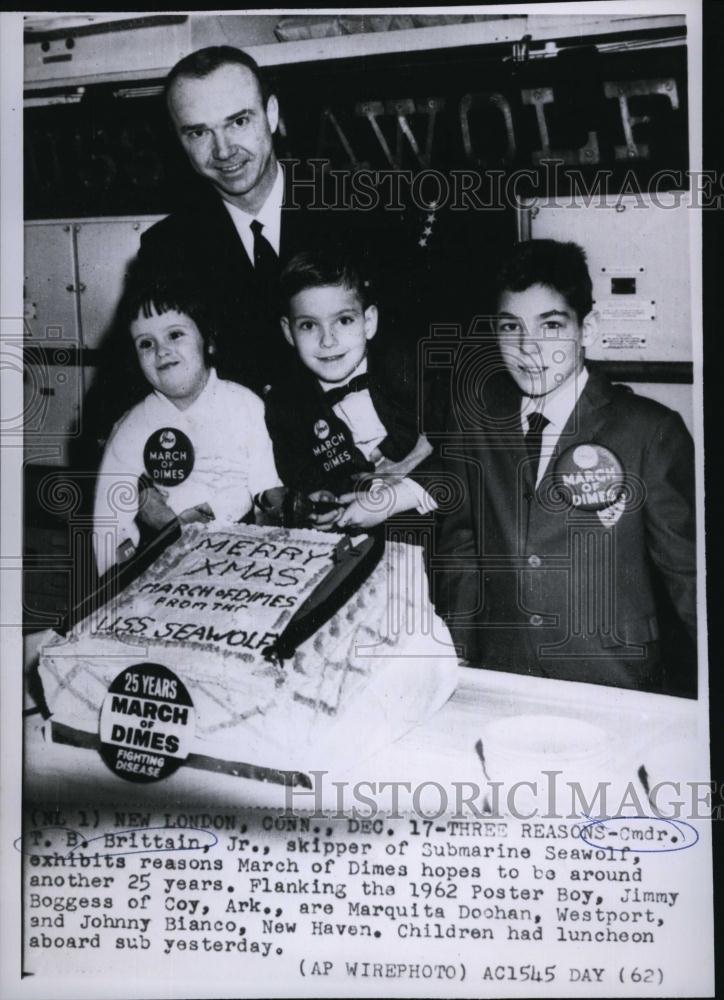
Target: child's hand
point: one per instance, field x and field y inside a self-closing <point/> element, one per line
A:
<point x="325" y="521"/>
<point x="369" y="507"/>
<point x="202" y="512"/>
<point x="358" y="516"/>
<point x="387" y="467"/>
<point x="152" y="507"/>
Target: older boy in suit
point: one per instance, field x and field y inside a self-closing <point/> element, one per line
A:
<point x="578" y="511"/>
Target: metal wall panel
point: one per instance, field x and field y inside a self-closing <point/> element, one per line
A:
<point x="73" y="279"/>
<point x="104" y="248"/>
<point x="54" y="387"/>
<point x="80" y="53"/>
<point x="50" y="283"/>
<point x="639" y="259"/>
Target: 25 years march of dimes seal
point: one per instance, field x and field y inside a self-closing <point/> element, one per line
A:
<point x="147" y="723"/>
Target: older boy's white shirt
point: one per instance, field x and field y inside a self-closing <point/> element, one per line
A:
<point x="557" y="408"/>
<point x="269" y="215"/>
<point x="358" y="412"/>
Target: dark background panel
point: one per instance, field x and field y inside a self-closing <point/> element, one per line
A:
<point x="109" y="154"/>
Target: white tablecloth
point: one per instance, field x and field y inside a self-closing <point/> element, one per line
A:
<point x="661" y="733"/>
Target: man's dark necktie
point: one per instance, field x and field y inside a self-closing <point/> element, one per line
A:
<point x="537" y="423"/>
<point x="356" y="384"/>
<point x="266" y="262"/>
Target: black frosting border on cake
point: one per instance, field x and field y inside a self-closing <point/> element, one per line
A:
<point x="70" y="736"/>
<point x="120" y="576"/>
<point x="353" y="565"/>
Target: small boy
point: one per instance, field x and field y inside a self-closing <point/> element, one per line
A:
<point x="575" y="539"/>
<point x="348" y="416"/>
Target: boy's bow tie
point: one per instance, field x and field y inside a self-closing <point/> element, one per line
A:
<point x="357" y="384"/>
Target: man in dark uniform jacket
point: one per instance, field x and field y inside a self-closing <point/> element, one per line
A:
<point x="254" y="214"/>
<point x="246" y="221"/>
<point x="577" y="509"/>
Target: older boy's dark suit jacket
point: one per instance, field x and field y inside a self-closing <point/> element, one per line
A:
<point x="531" y="585"/>
<point x="314" y="448"/>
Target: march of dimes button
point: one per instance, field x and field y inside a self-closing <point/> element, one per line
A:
<point x="589" y="476"/>
<point x="147" y="723"/>
<point x="168" y="456"/>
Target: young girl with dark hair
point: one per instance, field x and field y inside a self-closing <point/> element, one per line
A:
<point x="195" y="446"/>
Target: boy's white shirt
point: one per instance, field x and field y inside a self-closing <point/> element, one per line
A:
<point x="557" y="406"/>
<point x="233" y="460"/>
<point x="358" y="412"/>
<point x="270" y="216"/>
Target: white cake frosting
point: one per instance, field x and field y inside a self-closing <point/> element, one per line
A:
<point x="211" y="604"/>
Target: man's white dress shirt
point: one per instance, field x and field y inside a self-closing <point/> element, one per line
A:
<point x="269" y="215"/>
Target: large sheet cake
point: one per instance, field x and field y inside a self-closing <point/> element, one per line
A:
<point x="209" y="608"/>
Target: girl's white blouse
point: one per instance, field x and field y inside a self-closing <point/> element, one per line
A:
<point x="233" y="460"/>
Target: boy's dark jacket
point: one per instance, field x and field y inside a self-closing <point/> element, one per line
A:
<point x="314" y="448"/>
<point x="530" y="585"/>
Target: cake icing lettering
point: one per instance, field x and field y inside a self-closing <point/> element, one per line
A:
<point x="132" y="625"/>
<point x="185" y="595"/>
<point x="187" y="589"/>
<point x="185" y="632"/>
<point x="209" y="607"/>
<point x="282" y="576"/>
<point x="232" y="546"/>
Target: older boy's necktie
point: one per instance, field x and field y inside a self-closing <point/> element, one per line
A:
<point x="266" y="262"/>
<point x="537" y="423"/>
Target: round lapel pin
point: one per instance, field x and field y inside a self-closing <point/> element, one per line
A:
<point x="168" y="457"/>
<point x="589" y="476"/>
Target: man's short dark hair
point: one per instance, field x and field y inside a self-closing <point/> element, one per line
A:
<point x="204" y="61"/>
<point x="561" y="266"/>
<point x="325" y="266"/>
